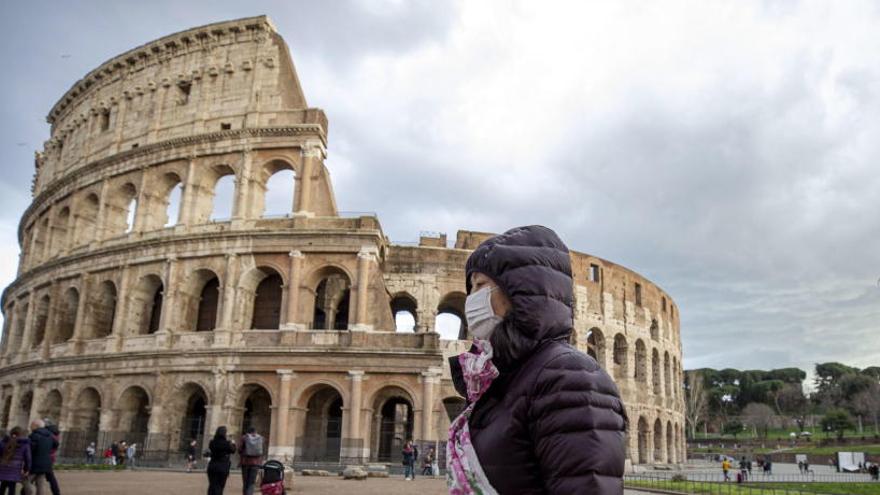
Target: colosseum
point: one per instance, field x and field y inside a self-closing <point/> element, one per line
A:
<point x="130" y="321"/>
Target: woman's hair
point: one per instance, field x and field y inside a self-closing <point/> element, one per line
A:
<point x="11" y="445"/>
<point x="220" y="433"/>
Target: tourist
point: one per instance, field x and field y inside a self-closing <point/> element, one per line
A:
<point x="191" y="455"/>
<point x="108" y="456"/>
<point x="250" y="458"/>
<point x="409" y="460"/>
<point x="56" y="436"/>
<point x="15" y="461"/>
<point x="42" y="444"/>
<point x="114" y="453"/>
<point x="725" y="467"/>
<point x="121" y="450"/>
<point x="130" y="451"/>
<point x="542" y="417"/>
<point x="801" y="467"/>
<point x="744" y="469"/>
<point x="90" y="453"/>
<point x="220" y="449"/>
<point x="428" y="463"/>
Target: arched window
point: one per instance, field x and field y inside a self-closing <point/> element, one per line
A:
<point x="332" y="296"/>
<point x="596" y="345"/>
<point x="40" y="321"/>
<point x="620" y="355"/>
<point x="99" y="320"/>
<point x="208" y="303"/>
<point x="267" y="302"/>
<point x="403" y="307"/>
<point x="655" y="371"/>
<point x="147" y="304"/>
<point x="450" y="322"/>
<point x="60" y="231"/>
<point x="641" y="371"/>
<point x="218" y="205"/>
<point x="172" y="208"/>
<point x="87" y="220"/>
<point x="279" y="194"/>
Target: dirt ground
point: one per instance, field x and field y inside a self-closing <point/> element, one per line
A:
<point x="173" y="483"/>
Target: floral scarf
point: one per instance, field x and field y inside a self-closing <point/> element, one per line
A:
<point x="464" y="475"/>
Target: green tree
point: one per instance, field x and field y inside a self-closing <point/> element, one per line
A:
<point x="837" y="420"/>
<point x="732" y="427"/>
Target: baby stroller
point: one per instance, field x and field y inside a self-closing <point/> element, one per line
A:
<point x="272" y="482"/>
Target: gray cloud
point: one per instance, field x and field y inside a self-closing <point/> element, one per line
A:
<point x="723" y="153"/>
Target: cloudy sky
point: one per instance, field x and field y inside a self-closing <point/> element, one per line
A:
<point x="727" y="151"/>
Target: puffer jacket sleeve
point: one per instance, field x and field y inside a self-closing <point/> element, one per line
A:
<point x="578" y="424"/>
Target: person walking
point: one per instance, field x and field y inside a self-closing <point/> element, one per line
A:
<point x="725" y="467"/>
<point x="114" y="453"/>
<point x="409" y="460"/>
<point x="130" y="452"/>
<point x="122" y="449"/>
<point x="90" y="453"/>
<point x="15" y="461"/>
<point x="220" y="448"/>
<point x="42" y="444"/>
<point x="56" y="436"/>
<point x="250" y="458"/>
<point x="428" y="463"/>
<point x="191" y="455"/>
<point x="542" y="417"/>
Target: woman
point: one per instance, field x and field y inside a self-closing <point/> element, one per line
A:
<point x="220" y="449"/>
<point x="191" y="455"/>
<point x="409" y="460"/>
<point x="15" y="461"/>
<point x="541" y="416"/>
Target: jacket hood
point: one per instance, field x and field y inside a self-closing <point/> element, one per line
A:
<point x="531" y="265"/>
<point x="43" y="432"/>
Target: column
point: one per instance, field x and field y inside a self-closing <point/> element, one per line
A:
<point x="27" y="338"/>
<point x="81" y="308"/>
<point x="365" y="257"/>
<point x="12" y="420"/>
<point x="293" y="281"/>
<point x="190" y="191"/>
<point x="240" y="208"/>
<point x="222" y="334"/>
<point x="101" y="224"/>
<point x="312" y="154"/>
<point x="429" y="379"/>
<point x="120" y="311"/>
<point x="37" y="400"/>
<point x="164" y="337"/>
<point x="142" y="214"/>
<point x="353" y="446"/>
<point x="48" y="333"/>
<point x="283" y="447"/>
<point x="10" y="345"/>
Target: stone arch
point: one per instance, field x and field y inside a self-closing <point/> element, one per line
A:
<point x="641" y="369"/>
<point x="60" y="231"/>
<point x="404" y="308"/>
<point x="655" y="371"/>
<point x="452" y="305"/>
<point x="621" y="353"/>
<point x="23" y="412"/>
<point x="85" y="422"/>
<point x="50" y="408"/>
<point x="86" y="219"/>
<point x="200" y="300"/>
<point x="170" y="194"/>
<point x="120" y="210"/>
<point x="255" y="404"/>
<point x="18" y="327"/>
<point x="262" y="288"/>
<point x="642" y="440"/>
<point x="331" y="308"/>
<point x="41" y="320"/>
<point x="676" y="377"/>
<point x="189" y="406"/>
<point x="211" y="202"/>
<point x="101" y="311"/>
<point x="670" y="444"/>
<point x="147" y="304"/>
<point x="393" y="422"/>
<point x="667" y="374"/>
<point x="41" y="238"/>
<point x="658" y="441"/>
<point x="267" y="182"/>
<point x="322" y="426"/>
<point x="596" y="345"/>
<point x="133" y="413"/>
<point x="66" y="321"/>
<point x="655" y="330"/>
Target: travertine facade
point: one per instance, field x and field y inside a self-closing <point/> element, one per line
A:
<point x="126" y="324"/>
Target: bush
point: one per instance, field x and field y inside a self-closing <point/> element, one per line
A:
<point x="678" y="478"/>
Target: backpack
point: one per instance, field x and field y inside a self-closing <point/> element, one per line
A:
<point x="253" y="445"/>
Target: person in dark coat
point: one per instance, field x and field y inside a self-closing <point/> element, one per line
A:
<point x="50" y="475"/>
<point x="15" y="460"/>
<point x="542" y="417"/>
<point x="42" y="444"/>
<point x="220" y="449"/>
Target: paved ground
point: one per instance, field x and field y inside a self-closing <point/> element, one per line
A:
<point x="172" y="483"/>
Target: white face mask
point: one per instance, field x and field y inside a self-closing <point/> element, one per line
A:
<point x="481" y="319"/>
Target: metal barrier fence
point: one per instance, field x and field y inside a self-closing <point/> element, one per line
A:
<point x="758" y="484"/>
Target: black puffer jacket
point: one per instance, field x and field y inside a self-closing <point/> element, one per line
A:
<point x="553" y="421"/>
